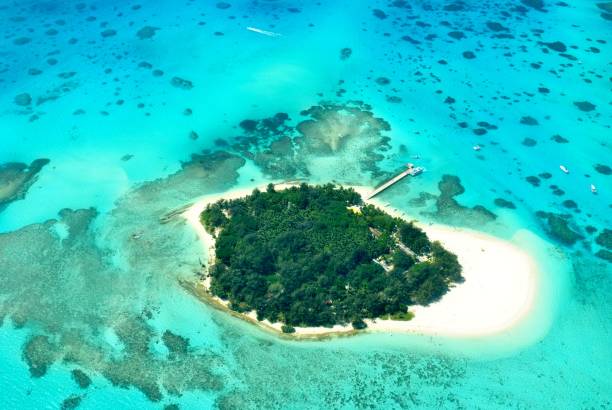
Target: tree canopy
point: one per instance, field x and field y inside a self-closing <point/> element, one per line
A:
<point x="318" y="256"/>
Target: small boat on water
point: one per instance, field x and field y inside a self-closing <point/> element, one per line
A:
<point x="415" y="170"/>
<point x="264" y="32"/>
<point x="476" y="147"/>
<point x="564" y="169"/>
<point x="593" y="189"/>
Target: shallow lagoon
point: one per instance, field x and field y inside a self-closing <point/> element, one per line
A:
<point x="85" y="294"/>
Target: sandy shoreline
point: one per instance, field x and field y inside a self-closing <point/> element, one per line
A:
<point x="501" y="280"/>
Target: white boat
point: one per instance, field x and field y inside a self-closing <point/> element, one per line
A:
<point x="264" y="32"/>
<point x="564" y="169"/>
<point x="476" y="147"/>
<point x="593" y="189"/>
<point x="415" y="170"/>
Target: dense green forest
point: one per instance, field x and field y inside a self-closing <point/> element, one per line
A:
<point x="301" y="256"/>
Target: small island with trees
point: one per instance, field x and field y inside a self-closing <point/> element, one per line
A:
<point x="319" y="256"/>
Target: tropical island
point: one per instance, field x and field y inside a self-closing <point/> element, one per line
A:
<point x="319" y="256"/>
<point x="500" y="291"/>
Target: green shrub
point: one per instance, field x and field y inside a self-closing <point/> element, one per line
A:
<point x="359" y="324"/>
<point x="287" y="329"/>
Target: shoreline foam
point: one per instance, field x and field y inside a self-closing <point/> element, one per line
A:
<point x="501" y="281"/>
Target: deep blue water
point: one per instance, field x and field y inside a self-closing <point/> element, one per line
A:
<point x="119" y="96"/>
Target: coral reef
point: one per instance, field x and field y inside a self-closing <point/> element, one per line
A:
<point x="16" y="178"/>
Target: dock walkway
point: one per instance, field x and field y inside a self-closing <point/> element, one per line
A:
<point x="410" y="171"/>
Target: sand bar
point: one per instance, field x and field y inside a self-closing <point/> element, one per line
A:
<point x="501" y="280"/>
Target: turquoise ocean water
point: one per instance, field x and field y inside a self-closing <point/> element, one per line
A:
<point x="140" y="107"/>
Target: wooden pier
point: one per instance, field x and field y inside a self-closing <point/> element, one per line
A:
<point x="410" y="171"/>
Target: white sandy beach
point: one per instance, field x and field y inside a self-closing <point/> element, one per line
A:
<point x="501" y="280"/>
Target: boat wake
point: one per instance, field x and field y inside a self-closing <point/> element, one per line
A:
<point x="264" y="32"/>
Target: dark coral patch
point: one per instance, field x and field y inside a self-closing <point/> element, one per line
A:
<point x="559" y="139"/>
<point x="533" y="180"/>
<point x="585" y="106"/>
<point x="383" y="81"/>
<point x="449" y="210"/>
<point x="529" y="142"/>
<point x="248" y="125"/>
<point x="410" y="40"/>
<point x="81" y="378"/>
<point x="71" y="402"/>
<point x="570" y="204"/>
<point x="16" y="178"/>
<point x="146" y="32"/>
<point x="603" y="169"/>
<point x="605" y="239"/>
<point x="603" y="253"/>
<point x="558" y="227"/>
<point x="607" y="10"/>
<point x="503" y="203"/>
<point x="486" y="125"/>
<point x="23" y="99"/>
<point x="556" y="46"/>
<point x="455" y="6"/>
<point x="527" y="120"/>
<point x="20" y="41"/>
<point x="181" y="83"/>
<point x="495" y="26"/>
<point x="345" y="53"/>
<point x="176" y="344"/>
<point x="108" y="33"/>
<point x="39" y="354"/>
<point x="534" y="4"/>
<point x="457" y="35"/>
<point x="379" y="14"/>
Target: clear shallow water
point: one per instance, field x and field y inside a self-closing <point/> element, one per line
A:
<point x="102" y="300"/>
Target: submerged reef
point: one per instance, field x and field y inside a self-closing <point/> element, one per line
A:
<point x="333" y="126"/>
<point x="603" y="169"/>
<point x="504" y="203"/>
<point x="269" y="142"/>
<point x="448" y="210"/>
<point x="558" y="227"/>
<point x="81" y="378"/>
<point x="81" y="283"/>
<point x="346" y="138"/>
<point x="16" y="178"/>
<point x="335" y="139"/>
<point x="71" y="402"/>
<point x="604" y="254"/>
<point x="87" y="280"/>
<point x="604" y="239"/>
<point x="72" y="306"/>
